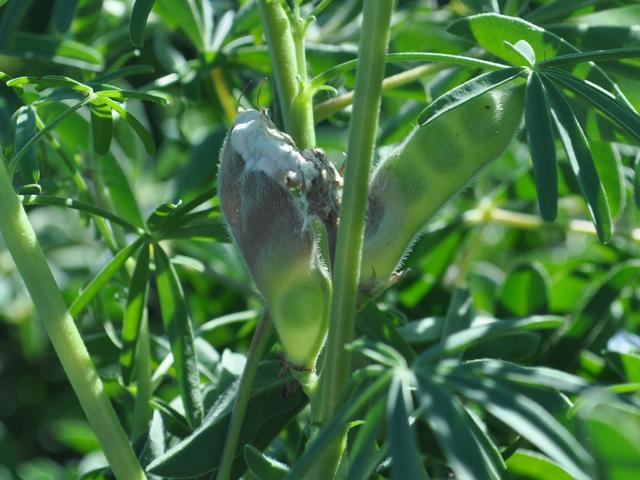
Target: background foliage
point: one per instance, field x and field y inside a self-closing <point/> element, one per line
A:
<point x="153" y="104"/>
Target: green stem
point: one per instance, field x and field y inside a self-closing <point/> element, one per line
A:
<point x="286" y="48"/>
<point x="30" y="261"/>
<point x="362" y="133"/>
<point x="259" y="342"/>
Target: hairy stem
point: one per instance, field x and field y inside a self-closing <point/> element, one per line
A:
<point x="259" y="342"/>
<point x="362" y="133"/>
<point x="286" y="48"/>
<point x="30" y="261"/>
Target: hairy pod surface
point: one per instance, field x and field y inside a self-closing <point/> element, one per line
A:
<point x="436" y="161"/>
<point x="268" y="191"/>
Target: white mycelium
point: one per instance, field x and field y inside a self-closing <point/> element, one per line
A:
<point x="264" y="148"/>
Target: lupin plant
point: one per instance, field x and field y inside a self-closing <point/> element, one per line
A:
<point x="484" y="385"/>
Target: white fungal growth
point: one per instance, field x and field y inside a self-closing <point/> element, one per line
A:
<point x="264" y="148"/>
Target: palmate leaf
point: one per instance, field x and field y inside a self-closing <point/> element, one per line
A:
<point x="604" y="101"/>
<point x="405" y="456"/>
<point x="577" y="149"/>
<point x="454" y="432"/>
<point x="459" y="316"/>
<point x="494" y="33"/>
<point x="528" y="418"/>
<point x="483" y="333"/>
<point x="541" y="146"/>
<point x="267" y="413"/>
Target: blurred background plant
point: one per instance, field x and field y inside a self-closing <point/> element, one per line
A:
<point x="132" y="113"/>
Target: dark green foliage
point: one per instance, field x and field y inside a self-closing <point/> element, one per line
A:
<point x="506" y="346"/>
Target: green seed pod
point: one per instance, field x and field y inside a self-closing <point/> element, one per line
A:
<point x="270" y="193"/>
<point x="436" y="161"/>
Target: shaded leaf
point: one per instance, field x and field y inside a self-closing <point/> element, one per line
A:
<point x="134" y="309"/>
<point x="102" y="278"/>
<point x="524" y="292"/>
<point x="262" y="466"/>
<point x="101" y="126"/>
<point x="267" y="413"/>
<point x="405" y="456"/>
<point x="577" y="149"/>
<point x="450" y="424"/>
<point x="179" y="331"/>
<point x="143" y="134"/>
<point x="138" y="21"/>
<point x="542" y="146"/>
<point x="63" y="13"/>
<point x="25" y="131"/>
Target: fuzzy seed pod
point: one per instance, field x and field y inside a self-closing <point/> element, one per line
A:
<point x="270" y="192"/>
<point x="437" y="160"/>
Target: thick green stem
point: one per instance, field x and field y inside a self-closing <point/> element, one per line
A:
<point x="30" y="261"/>
<point x="259" y="342"/>
<point x="362" y="134"/>
<point x="286" y="48"/>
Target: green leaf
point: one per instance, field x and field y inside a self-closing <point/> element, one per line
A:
<point x="541" y="146"/>
<point x="119" y="190"/>
<point x="193" y="17"/>
<point x="591" y="315"/>
<point x="577" y="149"/>
<point x="529" y="419"/>
<point x="626" y="364"/>
<point x="483" y="333"/>
<point x="101" y="126"/>
<point x="179" y="331"/>
<point x="405" y="456"/>
<point x="595" y="56"/>
<point x="512" y="372"/>
<point x="525" y="50"/>
<point x="262" y="466"/>
<point x="378" y="326"/>
<point x="143" y="134"/>
<point x="136" y="303"/>
<point x="606" y="156"/>
<point x="604" y="101"/>
<point x="450" y="424"/>
<point x="138" y="22"/>
<point x="267" y="414"/>
<point x="63" y="13"/>
<point x="468" y="91"/>
<point x="63" y="51"/>
<point x="122" y="95"/>
<point x="123" y="72"/>
<point x="25" y="131"/>
<point x="611" y="431"/>
<point x="530" y="465"/>
<point x="482" y="6"/>
<point x="492" y="30"/>
<point x="636" y="180"/>
<point x="336" y="426"/>
<point x="11" y="17"/>
<point x="459" y="316"/>
<point x="524" y="292"/>
<point x="102" y="278"/>
<point x="362" y="454"/>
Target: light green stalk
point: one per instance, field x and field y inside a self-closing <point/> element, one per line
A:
<point x="362" y="134"/>
<point x="30" y="261"/>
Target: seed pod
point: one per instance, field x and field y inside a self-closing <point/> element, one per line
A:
<point x="436" y="161"/>
<point x="269" y="193"/>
